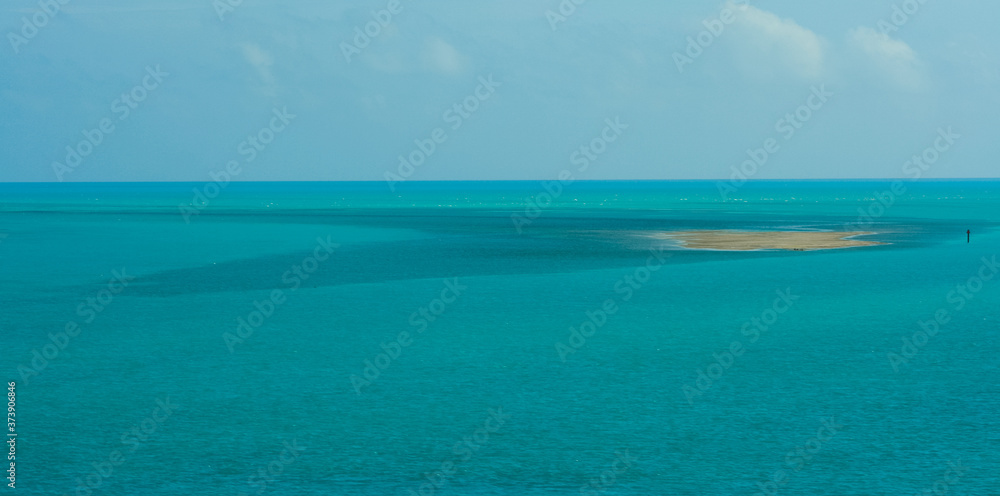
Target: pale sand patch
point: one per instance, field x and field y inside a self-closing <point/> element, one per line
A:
<point x="768" y="240"/>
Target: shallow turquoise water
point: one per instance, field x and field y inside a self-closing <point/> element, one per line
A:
<point x="278" y="411"/>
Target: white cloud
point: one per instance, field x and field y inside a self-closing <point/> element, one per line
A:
<point x="434" y="55"/>
<point x="261" y="62"/>
<point x="773" y="47"/>
<point x="893" y="59"/>
<point x="442" y="57"/>
<point x="117" y="9"/>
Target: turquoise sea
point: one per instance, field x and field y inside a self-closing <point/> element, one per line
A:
<point x="499" y="338"/>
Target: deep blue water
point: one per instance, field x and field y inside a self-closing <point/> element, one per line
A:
<point x="160" y="391"/>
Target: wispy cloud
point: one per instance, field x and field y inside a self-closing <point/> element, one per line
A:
<point x="91" y="9"/>
<point x="772" y="47"/>
<point x="442" y="57"/>
<point x="261" y="62"/>
<point x="893" y="59"/>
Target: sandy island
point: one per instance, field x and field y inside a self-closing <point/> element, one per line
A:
<point x="768" y="240"/>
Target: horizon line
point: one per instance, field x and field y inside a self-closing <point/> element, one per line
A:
<point x="428" y="181"/>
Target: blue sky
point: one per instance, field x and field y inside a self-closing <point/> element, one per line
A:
<point x="217" y="81"/>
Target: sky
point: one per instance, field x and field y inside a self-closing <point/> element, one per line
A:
<point x="415" y="90"/>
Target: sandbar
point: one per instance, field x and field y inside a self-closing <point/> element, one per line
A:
<point x="768" y="240"/>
